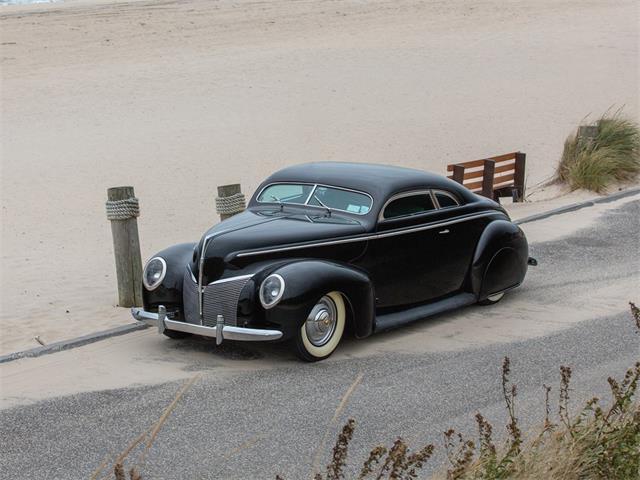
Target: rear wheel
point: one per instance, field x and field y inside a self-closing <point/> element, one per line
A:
<point x="492" y="299"/>
<point x="320" y="334"/>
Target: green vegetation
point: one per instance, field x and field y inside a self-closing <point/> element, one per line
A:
<point x="595" y="158"/>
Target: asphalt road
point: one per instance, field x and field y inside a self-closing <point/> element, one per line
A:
<point x="256" y="423"/>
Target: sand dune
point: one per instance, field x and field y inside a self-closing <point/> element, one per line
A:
<point x="178" y="97"/>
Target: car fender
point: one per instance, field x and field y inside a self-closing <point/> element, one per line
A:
<point x="305" y="283"/>
<point x="500" y="259"/>
<point x="169" y="292"/>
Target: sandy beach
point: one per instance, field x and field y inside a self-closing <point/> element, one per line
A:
<point x="176" y="98"/>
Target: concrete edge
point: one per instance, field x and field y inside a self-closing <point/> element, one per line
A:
<point x="132" y="327"/>
<point x="73" y="342"/>
<point x="578" y="206"/>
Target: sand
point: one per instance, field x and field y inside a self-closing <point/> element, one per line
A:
<point x="176" y="98"/>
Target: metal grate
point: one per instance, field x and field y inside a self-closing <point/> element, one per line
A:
<point x="221" y="298"/>
<point x="190" y="298"/>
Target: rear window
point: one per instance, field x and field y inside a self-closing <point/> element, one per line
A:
<point x="409" y="205"/>
<point x="446" y="199"/>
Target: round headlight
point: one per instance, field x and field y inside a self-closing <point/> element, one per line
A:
<point x="271" y="290"/>
<point x="154" y="272"/>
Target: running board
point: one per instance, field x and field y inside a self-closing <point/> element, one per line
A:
<point x="393" y="320"/>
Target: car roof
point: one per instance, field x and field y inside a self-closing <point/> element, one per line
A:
<point x="380" y="181"/>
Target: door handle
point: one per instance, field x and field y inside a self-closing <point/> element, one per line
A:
<point x="442" y="232"/>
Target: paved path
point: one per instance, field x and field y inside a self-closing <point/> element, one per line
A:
<point x="262" y="421"/>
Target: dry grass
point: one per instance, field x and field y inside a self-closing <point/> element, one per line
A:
<point x="597" y="443"/>
<point x="150" y="435"/>
<point x="612" y="155"/>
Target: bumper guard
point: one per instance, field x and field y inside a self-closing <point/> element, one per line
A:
<point x="219" y="332"/>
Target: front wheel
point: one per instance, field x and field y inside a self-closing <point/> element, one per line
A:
<point x="321" y="332"/>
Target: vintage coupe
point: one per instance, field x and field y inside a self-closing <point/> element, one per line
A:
<point x="324" y="247"/>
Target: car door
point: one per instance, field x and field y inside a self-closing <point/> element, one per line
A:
<point x="402" y="254"/>
<point x="458" y="237"/>
<point x="420" y="253"/>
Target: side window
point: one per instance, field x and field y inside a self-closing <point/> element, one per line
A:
<point x="409" y="205"/>
<point x="446" y="199"/>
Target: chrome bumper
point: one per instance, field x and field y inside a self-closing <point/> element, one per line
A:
<point x="219" y="332"/>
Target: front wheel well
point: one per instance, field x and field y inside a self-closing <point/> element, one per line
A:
<point x="349" y="314"/>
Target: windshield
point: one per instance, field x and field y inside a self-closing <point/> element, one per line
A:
<point x="323" y="196"/>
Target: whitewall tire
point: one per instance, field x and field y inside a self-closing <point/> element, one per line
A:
<point x="322" y="331"/>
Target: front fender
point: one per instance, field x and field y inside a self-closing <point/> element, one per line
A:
<point x="306" y="281"/>
<point x="500" y="259"/>
<point x="169" y="293"/>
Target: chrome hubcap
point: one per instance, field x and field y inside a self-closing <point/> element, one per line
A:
<point x="321" y="322"/>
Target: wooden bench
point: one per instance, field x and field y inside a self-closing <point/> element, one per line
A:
<point x="493" y="177"/>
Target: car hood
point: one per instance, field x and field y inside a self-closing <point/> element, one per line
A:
<point x="256" y="229"/>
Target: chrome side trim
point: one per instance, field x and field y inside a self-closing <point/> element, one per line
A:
<point x="375" y="236"/>
<point x="227" y="332"/>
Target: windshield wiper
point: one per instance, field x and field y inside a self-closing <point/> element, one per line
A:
<point x="322" y="204"/>
<point x="279" y="201"/>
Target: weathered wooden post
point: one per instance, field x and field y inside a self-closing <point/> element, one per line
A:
<point x="230" y="201"/>
<point x="518" y="177"/>
<point x="587" y="134"/>
<point x="487" y="178"/>
<point x="458" y="174"/>
<point x="122" y="210"/>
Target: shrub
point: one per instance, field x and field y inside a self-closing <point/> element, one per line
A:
<point x="613" y="154"/>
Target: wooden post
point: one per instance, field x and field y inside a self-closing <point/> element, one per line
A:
<point x="458" y="174"/>
<point x="518" y="177"/>
<point x="587" y="133"/>
<point x="227" y="191"/>
<point x="487" y="178"/>
<point x="126" y="247"/>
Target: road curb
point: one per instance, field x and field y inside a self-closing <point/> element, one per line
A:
<point x="578" y="206"/>
<point x="73" y="343"/>
<point x="132" y="327"/>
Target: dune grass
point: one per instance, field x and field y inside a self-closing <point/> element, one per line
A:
<point x="612" y="155"/>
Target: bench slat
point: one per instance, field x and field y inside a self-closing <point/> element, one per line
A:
<point x="510" y="167"/>
<point x="504" y="158"/>
<point x="498" y="181"/>
<point x="474" y="185"/>
<point x="479" y="163"/>
<point x="472" y="164"/>
<point x="476" y="174"/>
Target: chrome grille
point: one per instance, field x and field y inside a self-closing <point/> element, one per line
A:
<point x="221" y="298"/>
<point x="190" y="297"/>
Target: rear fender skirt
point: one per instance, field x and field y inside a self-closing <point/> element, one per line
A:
<point x="500" y="259"/>
<point x="306" y="281"/>
<point x="169" y="293"/>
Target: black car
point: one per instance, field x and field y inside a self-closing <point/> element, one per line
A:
<point x="326" y="246"/>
